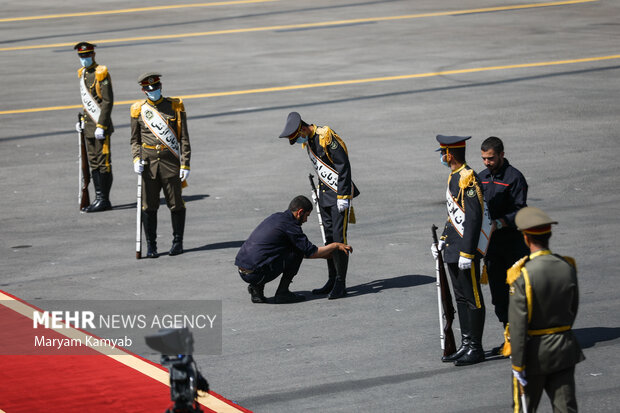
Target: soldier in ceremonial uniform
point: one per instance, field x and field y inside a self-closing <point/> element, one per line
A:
<point x="161" y="152"/>
<point x="505" y="192"/>
<point x="463" y="244"/>
<point x="544" y="297"/>
<point x="98" y="100"/>
<point x="330" y="158"/>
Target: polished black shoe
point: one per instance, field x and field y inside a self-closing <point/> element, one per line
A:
<point x="456" y="355"/>
<point x="472" y="356"/>
<point x="326" y="289"/>
<point x="177" y="248"/>
<point x="257" y="294"/>
<point x="288" y="298"/>
<point x="101" y="205"/>
<point x="339" y="290"/>
<point x="151" y="251"/>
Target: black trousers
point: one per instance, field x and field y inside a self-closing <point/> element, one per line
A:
<point x="466" y="284"/>
<point x="505" y="249"/>
<point x="287" y="265"/>
<point x="334" y="223"/>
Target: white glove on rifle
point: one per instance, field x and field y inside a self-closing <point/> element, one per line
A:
<point x="436" y="249"/>
<point x="99" y="133"/>
<point x="464" y="263"/>
<point x="520" y="376"/>
<point x="79" y="127"/>
<point x="184" y="174"/>
<point x="138" y="167"/>
<point x="342" y="204"/>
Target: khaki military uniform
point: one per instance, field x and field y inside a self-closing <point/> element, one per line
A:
<point x="161" y="166"/>
<point x="544" y="298"/>
<point x="99" y="84"/>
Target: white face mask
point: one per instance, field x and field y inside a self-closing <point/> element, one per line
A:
<point x="154" y="95"/>
<point x="302" y="139"/>
<point x="86" y="61"/>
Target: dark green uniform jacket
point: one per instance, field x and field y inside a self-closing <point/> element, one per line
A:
<point x="99" y="84"/>
<point x="540" y="320"/>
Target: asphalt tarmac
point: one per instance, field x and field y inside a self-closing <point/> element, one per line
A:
<point x="387" y="76"/>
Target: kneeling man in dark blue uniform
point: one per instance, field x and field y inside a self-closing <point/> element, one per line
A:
<point x="277" y="246"/>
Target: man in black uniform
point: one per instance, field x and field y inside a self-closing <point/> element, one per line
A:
<point x="98" y="100"/>
<point x="161" y="153"/>
<point x="330" y="158"/>
<point x="277" y="246"/>
<point x="505" y="192"/>
<point x="463" y="244"/>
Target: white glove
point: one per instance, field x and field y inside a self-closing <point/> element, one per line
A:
<point x="436" y="249"/>
<point x="78" y="127"/>
<point x="99" y="133"/>
<point x="520" y="376"/>
<point x="138" y="167"/>
<point x="342" y="204"/>
<point x="184" y="174"/>
<point x="464" y="263"/>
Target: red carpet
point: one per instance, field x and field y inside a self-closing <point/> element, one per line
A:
<point x="92" y="382"/>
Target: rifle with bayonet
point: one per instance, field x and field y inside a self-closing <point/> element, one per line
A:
<point x="315" y="199"/>
<point x="84" y="170"/>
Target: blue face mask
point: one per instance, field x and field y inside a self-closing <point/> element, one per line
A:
<point x="302" y="139"/>
<point x="154" y="95"/>
<point x="86" y="61"/>
<point x="443" y="162"/>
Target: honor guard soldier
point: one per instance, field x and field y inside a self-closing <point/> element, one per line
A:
<point x="161" y="153"/>
<point x="330" y="158"/>
<point x="98" y="100"/>
<point x="505" y="192"/>
<point x="544" y="298"/>
<point x="463" y="243"/>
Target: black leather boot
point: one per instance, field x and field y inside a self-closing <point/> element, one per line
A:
<point x="284" y="295"/>
<point x="463" y="314"/>
<point x="341" y="262"/>
<point x="475" y="354"/>
<point x="178" y="228"/>
<point x="257" y="293"/>
<point x="331" y="271"/>
<point x="105" y="183"/>
<point x="149" y="220"/>
<point x="96" y="178"/>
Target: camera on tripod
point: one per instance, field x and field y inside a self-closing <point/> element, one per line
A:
<point x="176" y="347"/>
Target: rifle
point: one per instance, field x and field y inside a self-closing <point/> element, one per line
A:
<point x="444" y="303"/>
<point x="139" y="215"/>
<point x="84" y="170"/>
<point x="315" y="199"/>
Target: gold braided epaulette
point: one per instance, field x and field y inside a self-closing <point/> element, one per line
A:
<point x="177" y="104"/>
<point x="101" y="72"/>
<point x="467" y="178"/>
<point x="80" y="70"/>
<point x="325" y="135"/>
<point x="514" y="272"/>
<point x="136" y="108"/>
<point x="571" y="261"/>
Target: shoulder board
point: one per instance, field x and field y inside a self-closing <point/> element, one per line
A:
<point x="325" y="135"/>
<point x="101" y="72"/>
<point x="177" y="104"/>
<point x="136" y="108"/>
<point x="571" y="261"/>
<point x="80" y="70"/>
<point x="514" y="272"/>
<point x="467" y="178"/>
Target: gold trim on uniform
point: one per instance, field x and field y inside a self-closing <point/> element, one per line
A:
<point x="475" y="284"/>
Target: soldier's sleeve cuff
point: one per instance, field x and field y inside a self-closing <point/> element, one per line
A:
<point x="185" y="167"/>
<point x="517" y="368"/>
<point x="344" y="197"/>
<point x="470" y="256"/>
<point x="102" y="127"/>
<point x="136" y="159"/>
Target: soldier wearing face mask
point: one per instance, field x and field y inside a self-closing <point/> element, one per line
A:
<point x="161" y="152"/>
<point x="98" y="100"/>
<point x="330" y="158"/>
